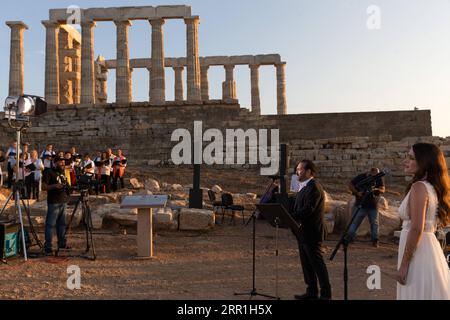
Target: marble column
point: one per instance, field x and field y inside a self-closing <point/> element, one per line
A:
<point x="77" y="69"/>
<point x="157" y="75"/>
<point x="16" y="57"/>
<point x="229" y="86"/>
<point x="179" y="94"/>
<point x="193" y="60"/>
<point x="149" y="69"/>
<point x="51" y="62"/>
<point x="123" y="73"/>
<point x="65" y="67"/>
<point x="254" y="75"/>
<point x="87" y="62"/>
<point x="101" y="78"/>
<point x="281" y="88"/>
<point x="204" y="82"/>
<point x="130" y="85"/>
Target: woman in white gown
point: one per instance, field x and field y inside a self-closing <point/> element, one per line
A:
<point x="423" y="273"/>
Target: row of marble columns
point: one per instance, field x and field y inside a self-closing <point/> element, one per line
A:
<point x="197" y="75"/>
<point x="123" y="76"/>
<point x="229" y="86"/>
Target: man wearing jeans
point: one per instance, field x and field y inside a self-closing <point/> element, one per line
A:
<point x="368" y="203"/>
<point x="54" y="182"/>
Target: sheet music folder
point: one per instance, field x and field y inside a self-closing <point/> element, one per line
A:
<point x="275" y="214"/>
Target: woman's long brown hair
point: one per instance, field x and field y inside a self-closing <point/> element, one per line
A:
<point x="433" y="168"/>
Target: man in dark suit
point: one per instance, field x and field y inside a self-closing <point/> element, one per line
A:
<point x="309" y="211"/>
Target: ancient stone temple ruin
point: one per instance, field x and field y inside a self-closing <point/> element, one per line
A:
<point x="76" y="89"/>
<point x="72" y="76"/>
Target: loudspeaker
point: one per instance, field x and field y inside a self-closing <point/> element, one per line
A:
<point x="196" y="198"/>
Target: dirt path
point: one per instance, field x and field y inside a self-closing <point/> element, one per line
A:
<point x="193" y="266"/>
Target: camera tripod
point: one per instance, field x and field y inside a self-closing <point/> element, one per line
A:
<point x="86" y="220"/>
<point x="18" y="189"/>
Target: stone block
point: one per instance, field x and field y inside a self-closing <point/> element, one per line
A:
<point x="246" y="60"/>
<point x="173" y="11"/>
<point x="196" y="219"/>
<point x="214" y="60"/>
<point x="152" y="185"/>
<point x="267" y="59"/>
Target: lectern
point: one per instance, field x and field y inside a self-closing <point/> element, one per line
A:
<point x="145" y="205"/>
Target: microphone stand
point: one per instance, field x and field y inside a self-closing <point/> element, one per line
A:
<point x="254" y="292"/>
<point x="344" y="241"/>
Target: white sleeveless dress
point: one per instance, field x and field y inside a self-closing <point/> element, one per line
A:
<point x="428" y="274"/>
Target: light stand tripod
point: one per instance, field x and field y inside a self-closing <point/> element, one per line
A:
<point x="86" y="219"/>
<point x="254" y="292"/>
<point x="345" y="239"/>
<point x="18" y="188"/>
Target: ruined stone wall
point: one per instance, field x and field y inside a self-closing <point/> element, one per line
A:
<point x="342" y="157"/>
<point x="335" y="141"/>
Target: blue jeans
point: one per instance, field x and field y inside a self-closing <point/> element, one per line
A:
<point x="56" y="217"/>
<point x="372" y="214"/>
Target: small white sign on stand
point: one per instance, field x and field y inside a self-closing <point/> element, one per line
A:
<point x="145" y="205"/>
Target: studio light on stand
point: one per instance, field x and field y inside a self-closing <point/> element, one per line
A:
<point x="18" y="111"/>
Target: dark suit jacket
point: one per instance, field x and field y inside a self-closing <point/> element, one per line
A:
<point x="309" y="210"/>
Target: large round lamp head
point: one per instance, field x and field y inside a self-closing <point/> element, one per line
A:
<point x="19" y="108"/>
<point x="25" y="106"/>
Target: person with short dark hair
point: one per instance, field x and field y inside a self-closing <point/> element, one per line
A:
<point x="368" y="199"/>
<point x="37" y="175"/>
<point x="75" y="155"/>
<point x="105" y="179"/>
<point x="295" y="184"/>
<point x="47" y="156"/>
<point x="21" y="173"/>
<point x="309" y="210"/>
<point x="25" y="146"/>
<point x="88" y="166"/>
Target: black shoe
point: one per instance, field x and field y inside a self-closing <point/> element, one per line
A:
<point x="375" y="244"/>
<point x="306" y="296"/>
<point x="325" y="298"/>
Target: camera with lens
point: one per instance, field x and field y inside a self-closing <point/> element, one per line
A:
<point x="369" y="183"/>
<point x="84" y="181"/>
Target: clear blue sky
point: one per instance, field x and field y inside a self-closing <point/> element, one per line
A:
<point x="335" y="63"/>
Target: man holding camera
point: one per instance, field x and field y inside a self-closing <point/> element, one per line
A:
<point x="368" y="201"/>
<point x="55" y="183"/>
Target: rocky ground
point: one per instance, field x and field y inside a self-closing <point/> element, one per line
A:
<point x="195" y="257"/>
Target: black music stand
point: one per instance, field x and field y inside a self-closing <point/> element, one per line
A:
<point x="278" y="217"/>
